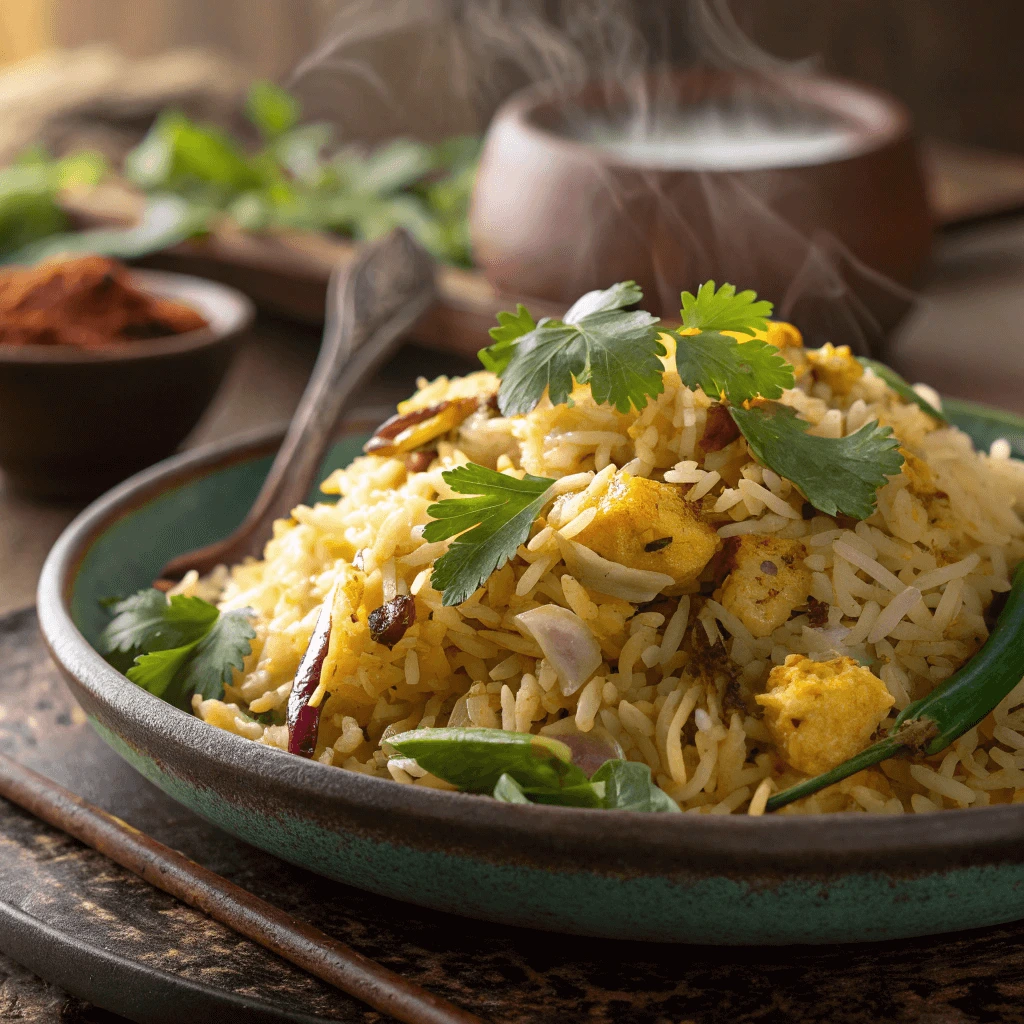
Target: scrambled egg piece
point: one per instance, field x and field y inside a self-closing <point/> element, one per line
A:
<point x="782" y="335"/>
<point x="836" y="367"/>
<point x="768" y="581"/>
<point x="820" y="713"/>
<point x="649" y="525"/>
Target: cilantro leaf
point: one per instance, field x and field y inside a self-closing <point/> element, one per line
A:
<point x="620" y="295"/>
<point x="717" y="363"/>
<point x="177" y="646"/>
<point x="156" y="670"/>
<point x="900" y="386"/>
<point x="148" y="621"/>
<point x="836" y="475"/>
<point x="218" y="654"/>
<point x="511" y="327"/>
<point x="491" y="526"/>
<point x="614" y="351"/>
<point x="628" y="787"/>
<point x="724" y="310"/>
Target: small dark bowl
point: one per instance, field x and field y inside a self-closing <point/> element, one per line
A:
<point x="74" y="423"/>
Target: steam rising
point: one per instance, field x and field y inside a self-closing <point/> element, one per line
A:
<point x="437" y="66"/>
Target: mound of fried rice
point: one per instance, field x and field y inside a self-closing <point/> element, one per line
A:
<point x="800" y="638"/>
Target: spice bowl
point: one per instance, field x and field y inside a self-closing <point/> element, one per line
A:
<point x="74" y="422"/>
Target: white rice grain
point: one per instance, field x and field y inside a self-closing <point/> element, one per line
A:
<point x="893" y="614"/>
<point x="675" y="629"/>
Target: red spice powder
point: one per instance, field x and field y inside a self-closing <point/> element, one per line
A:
<point x="88" y="302"/>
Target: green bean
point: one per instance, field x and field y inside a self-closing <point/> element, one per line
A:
<point x="956" y="705"/>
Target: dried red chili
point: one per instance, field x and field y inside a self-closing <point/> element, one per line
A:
<point x="304" y="720"/>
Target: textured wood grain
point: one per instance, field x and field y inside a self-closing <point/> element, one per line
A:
<point x="506" y="975"/>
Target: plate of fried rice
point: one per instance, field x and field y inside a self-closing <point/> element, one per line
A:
<point x="650" y="593"/>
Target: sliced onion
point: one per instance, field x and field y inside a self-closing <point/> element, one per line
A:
<point x="591" y="749"/>
<point x="566" y="641"/>
<point x="633" y="585"/>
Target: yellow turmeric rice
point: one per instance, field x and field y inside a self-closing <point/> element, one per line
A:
<point x="763" y="642"/>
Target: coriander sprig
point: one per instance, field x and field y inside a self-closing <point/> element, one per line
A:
<point x="488" y="528"/>
<point x="725" y="310"/>
<point x="720" y="365"/>
<point x="614" y="350"/>
<point x="835" y="474"/>
<point x="177" y="647"/>
<point x="617" y="352"/>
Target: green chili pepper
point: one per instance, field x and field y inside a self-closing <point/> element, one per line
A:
<point x="956" y="705"/>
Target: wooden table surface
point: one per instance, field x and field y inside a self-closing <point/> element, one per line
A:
<point x="966" y="339"/>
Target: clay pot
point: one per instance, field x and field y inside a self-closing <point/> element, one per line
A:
<point x="554" y="216"/>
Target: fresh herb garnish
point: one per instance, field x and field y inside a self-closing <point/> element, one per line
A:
<point x="511" y="327"/>
<point x="476" y="759"/>
<point x="148" y="621"/>
<point x="724" y="310"/>
<point x="720" y="365"/>
<point x="490" y="526"/>
<point x="628" y="787"/>
<point x="900" y="386"/>
<point x="509" y="791"/>
<point x="521" y="768"/>
<point x="177" y="646"/>
<point x="599" y="342"/>
<point x="618" y="353"/>
<point x="836" y="475"/>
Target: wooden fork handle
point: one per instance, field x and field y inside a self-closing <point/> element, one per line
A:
<point x="369" y="309"/>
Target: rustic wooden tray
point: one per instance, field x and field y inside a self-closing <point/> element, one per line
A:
<point x="286" y="273"/>
<point x="107" y="937"/>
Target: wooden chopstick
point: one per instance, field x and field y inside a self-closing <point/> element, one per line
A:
<point x="300" y="943"/>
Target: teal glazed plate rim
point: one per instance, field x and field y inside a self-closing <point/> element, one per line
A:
<point x="615" y="874"/>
